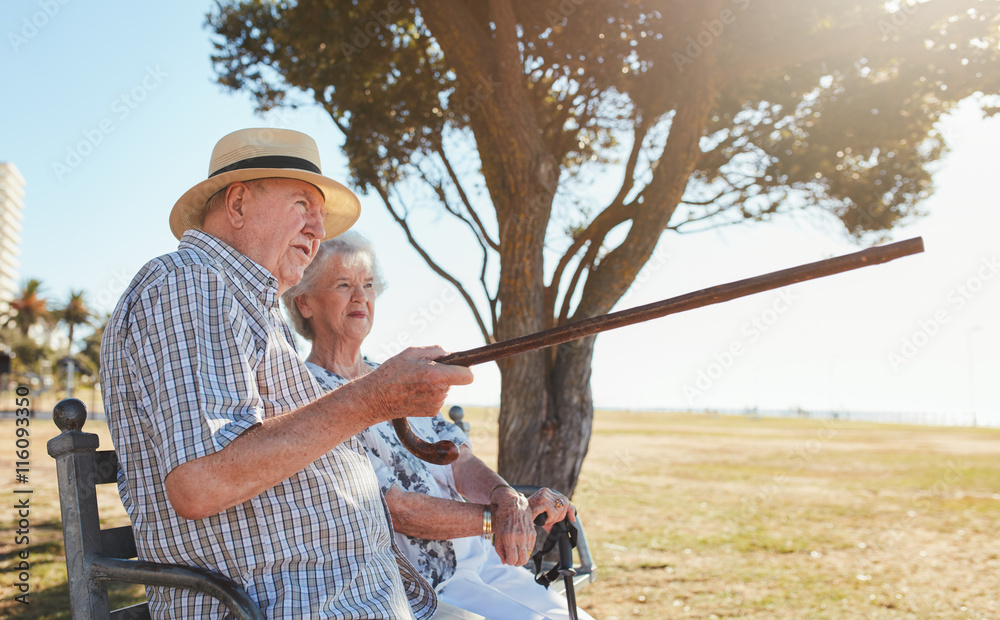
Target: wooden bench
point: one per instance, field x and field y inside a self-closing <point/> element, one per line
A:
<point x="95" y="556"/>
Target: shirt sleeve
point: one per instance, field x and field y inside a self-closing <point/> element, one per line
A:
<point x="195" y="356"/>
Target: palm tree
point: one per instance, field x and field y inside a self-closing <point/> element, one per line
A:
<point x="74" y="313"/>
<point x="28" y="353"/>
<point x="91" y="353"/>
<point x="29" y="308"/>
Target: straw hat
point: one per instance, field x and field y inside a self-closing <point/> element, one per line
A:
<point x="266" y="153"/>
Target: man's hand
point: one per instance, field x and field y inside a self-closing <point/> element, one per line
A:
<point x="411" y="384"/>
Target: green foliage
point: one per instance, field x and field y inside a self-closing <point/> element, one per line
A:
<point x="854" y="133"/>
<point x="90" y="356"/>
<point x="27" y="353"/>
<point x="375" y="71"/>
<point x="830" y="103"/>
<point x="28" y="309"/>
<point x="74" y="313"/>
<point x="32" y="352"/>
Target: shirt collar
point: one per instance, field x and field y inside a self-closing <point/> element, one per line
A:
<point x="259" y="279"/>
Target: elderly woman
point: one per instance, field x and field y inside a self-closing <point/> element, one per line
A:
<point x="443" y="515"/>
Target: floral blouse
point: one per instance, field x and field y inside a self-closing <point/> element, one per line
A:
<point x="395" y="465"/>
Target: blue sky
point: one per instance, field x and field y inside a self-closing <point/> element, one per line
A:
<point x="112" y="114"/>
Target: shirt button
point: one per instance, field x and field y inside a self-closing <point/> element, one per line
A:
<point x="272" y="282"/>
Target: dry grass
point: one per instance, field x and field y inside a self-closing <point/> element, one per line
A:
<point x="690" y="516"/>
<point x="699" y="517"/>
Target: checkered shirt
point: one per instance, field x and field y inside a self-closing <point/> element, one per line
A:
<point x="196" y="353"/>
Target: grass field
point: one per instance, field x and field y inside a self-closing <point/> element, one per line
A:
<point x="692" y="516"/>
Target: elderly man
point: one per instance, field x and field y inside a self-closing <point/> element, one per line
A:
<point x="232" y="458"/>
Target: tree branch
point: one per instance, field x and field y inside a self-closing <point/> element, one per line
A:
<point x="616" y="213"/>
<point x="616" y="271"/>
<point x="439" y="189"/>
<point x="487" y="336"/>
<point x="465" y="199"/>
<point x="594" y="234"/>
<point x="585" y="264"/>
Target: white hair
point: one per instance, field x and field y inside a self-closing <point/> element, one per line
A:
<point x="355" y="249"/>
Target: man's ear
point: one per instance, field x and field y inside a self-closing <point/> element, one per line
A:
<point x="235" y="203"/>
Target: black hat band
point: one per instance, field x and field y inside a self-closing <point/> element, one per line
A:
<point x="270" y="161"/>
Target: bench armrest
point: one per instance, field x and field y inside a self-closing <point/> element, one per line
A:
<point x="208" y="582"/>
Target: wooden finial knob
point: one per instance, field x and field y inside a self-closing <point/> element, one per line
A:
<point x="70" y="414"/>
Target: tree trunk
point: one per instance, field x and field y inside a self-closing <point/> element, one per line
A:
<point x="547" y="408"/>
<point x="546" y="415"/>
<point x="522" y="177"/>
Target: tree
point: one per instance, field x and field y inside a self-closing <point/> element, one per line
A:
<point x="25" y="311"/>
<point x="90" y="356"/>
<point x="709" y="113"/>
<point x="74" y="313"/>
<point x="29" y="308"/>
<point x="27" y="352"/>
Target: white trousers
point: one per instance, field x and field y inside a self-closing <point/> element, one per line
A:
<point x="484" y="585"/>
<point x="450" y="612"/>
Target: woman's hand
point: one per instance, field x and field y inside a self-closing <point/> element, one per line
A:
<point x="513" y="531"/>
<point x="556" y="507"/>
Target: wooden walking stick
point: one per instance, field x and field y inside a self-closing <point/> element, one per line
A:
<point x="444" y="452"/>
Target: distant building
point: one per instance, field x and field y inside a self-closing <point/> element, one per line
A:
<point x="11" y="207"/>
